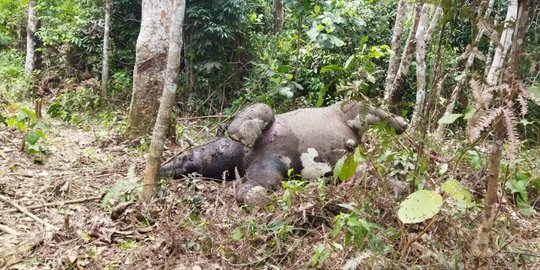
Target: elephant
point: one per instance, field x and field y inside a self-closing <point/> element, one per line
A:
<point x="263" y="147"/>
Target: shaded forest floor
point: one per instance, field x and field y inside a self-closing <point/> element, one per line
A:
<point x="196" y="224"/>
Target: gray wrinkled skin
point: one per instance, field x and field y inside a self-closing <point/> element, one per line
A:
<point x="309" y="141"/>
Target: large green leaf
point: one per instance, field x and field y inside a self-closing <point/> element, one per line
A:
<point x="450" y="118"/>
<point x="419" y="206"/>
<point x="32" y="137"/>
<point x="345" y="167"/>
<point x="535" y="92"/>
<point x="457" y="191"/>
<point x="469" y="112"/>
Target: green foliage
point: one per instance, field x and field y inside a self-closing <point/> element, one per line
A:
<point x="62" y="22"/>
<point x="13" y="82"/>
<point x="519" y="186"/>
<point x="457" y="192"/>
<point x="320" y="255"/>
<point x="291" y="187"/>
<point x="449" y="118"/>
<point x="475" y="160"/>
<point x="12" y="19"/>
<point x="123" y="191"/>
<point x="322" y="57"/>
<point x="120" y="85"/>
<point x="26" y="121"/>
<point x="345" y="167"/>
<point x="420" y="206"/>
<point x="126" y="245"/>
<point x="355" y="228"/>
<point x="73" y="105"/>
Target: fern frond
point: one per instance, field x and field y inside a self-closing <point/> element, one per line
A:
<point x="523" y="105"/>
<point x="501" y="88"/>
<point x="477" y="90"/>
<point x="510" y="121"/>
<point x="485" y="122"/>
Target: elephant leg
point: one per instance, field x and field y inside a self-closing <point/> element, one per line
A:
<point x="360" y="116"/>
<point x="249" y="123"/>
<point x="376" y="115"/>
<point x="262" y="174"/>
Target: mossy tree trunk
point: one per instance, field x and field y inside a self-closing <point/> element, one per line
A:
<point x="420" y="65"/>
<point x="150" y="64"/>
<point x="393" y="66"/>
<point x="278" y="16"/>
<point x="394" y="94"/>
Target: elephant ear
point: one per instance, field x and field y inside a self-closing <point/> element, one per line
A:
<point x="250" y="123"/>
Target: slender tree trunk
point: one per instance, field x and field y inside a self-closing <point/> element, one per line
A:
<point x="492" y="178"/>
<point x="167" y="102"/>
<point x="278" y="16"/>
<point x="105" y="67"/>
<point x="30" y="35"/>
<point x="497" y="63"/>
<point x="393" y="65"/>
<point x="393" y="97"/>
<point x="434" y="21"/>
<point x="490" y="200"/>
<point x="420" y="65"/>
<point x="489" y="56"/>
<point x="464" y="75"/>
<point x="506" y="42"/>
<point x="150" y="63"/>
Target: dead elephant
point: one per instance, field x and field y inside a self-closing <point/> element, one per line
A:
<point x="265" y="146"/>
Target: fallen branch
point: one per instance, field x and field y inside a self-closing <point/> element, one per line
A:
<point x="37" y="206"/>
<point x="23" y="210"/>
<point x="203" y="117"/>
<point x="9" y="230"/>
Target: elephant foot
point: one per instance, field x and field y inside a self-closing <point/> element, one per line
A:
<point x="249" y="124"/>
<point x="253" y="196"/>
<point x="263" y="174"/>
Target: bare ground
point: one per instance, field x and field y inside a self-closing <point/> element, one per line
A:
<point x="196" y="224"/>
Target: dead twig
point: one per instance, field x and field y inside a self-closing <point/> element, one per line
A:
<point x="405" y="250"/>
<point x="203" y="117"/>
<point x="7" y="229"/>
<point x="28" y="213"/>
<point x="37" y="206"/>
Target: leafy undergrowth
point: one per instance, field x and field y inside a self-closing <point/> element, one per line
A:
<point x="196" y="224"/>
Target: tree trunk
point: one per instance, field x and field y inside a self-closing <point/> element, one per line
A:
<point x="519" y="35"/>
<point x="393" y="97"/>
<point x="30" y="35"/>
<point x="464" y="75"/>
<point x="105" y="67"/>
<point x="167" y="102"/>
<point x="490" y="199"/>
<point x="506" y="42"/>
<point x="492" y="178"/>
<point x="278" y="16"/>
<point x="393" y="65"/>
<point x="150" y="63"/>
<point x="498" y="59"/>
<point x="420" y="65"/>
